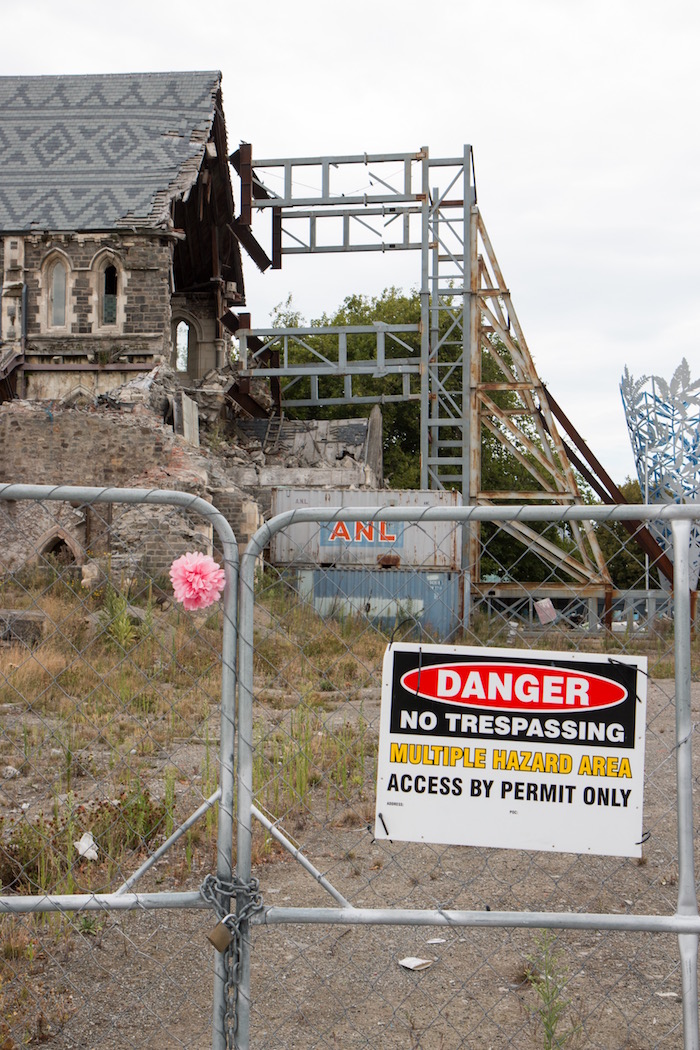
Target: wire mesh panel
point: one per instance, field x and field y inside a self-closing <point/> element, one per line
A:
<point x="111" y="695"/>
<point x="359" y="940"/>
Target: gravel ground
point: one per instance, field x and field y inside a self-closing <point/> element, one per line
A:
<point x="145" y="979"/>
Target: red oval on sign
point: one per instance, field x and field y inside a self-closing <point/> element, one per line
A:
<point x="513" y="687"/>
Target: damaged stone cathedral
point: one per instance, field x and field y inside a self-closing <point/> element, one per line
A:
<point x="121" y="269"/>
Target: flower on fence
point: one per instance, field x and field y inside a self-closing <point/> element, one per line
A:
<point x="197" y="580"/>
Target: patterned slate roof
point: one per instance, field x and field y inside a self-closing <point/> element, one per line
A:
<point x="100" y="152"/>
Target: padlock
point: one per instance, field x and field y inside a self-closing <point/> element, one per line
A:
<point x="222" y="934"/>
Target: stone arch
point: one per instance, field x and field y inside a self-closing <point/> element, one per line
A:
<point x="78" y="395"/>
<point x="58" y="539"/>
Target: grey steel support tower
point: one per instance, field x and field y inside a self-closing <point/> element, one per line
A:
<point x="412" y="202"/>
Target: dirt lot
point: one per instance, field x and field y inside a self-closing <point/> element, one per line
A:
<point x="145" y="979"/>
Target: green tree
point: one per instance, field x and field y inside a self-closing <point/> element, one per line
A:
<point x="624" y="557"/>
<point x="401" y="419"/>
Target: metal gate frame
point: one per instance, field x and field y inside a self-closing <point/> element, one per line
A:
<point x="250" y="910"/>
<point x="231" y="1010"/>
<point x="217" y="891"/>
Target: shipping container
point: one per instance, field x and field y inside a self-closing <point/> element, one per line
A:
<point x="428" y="601"/>
<point x="390" y="545"/>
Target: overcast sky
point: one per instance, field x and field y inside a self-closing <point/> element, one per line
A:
<point x="583" y="115"/>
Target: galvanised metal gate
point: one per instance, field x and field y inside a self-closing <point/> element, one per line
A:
<point x="111" y="706"/>
<point x="107" y="703"/>
<point x="499" y="948"/>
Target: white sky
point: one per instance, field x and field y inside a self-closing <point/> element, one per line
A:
<point x="583" y="115"/>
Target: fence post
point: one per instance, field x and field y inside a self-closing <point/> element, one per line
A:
<point x="687" y="902"/>
<point x="79" y="495"/>
<point x="224" y="853"/>
<point x="245" y="781"/>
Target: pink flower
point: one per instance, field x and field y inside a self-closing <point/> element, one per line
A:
<point x="197" y="580"/>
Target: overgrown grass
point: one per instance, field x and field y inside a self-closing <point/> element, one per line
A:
<point x="106" y="689"/>
<point x="27" y="1017"/>
<point x="98" y="712"/>
<point x="311" y="750"/>
<point x="305" y="754"/>
<point x="41" y="855"/>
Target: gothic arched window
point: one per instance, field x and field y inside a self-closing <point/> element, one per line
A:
<point x="57" y="295"/>
<point x="109" y="295"/>
<point x="182" y="347"/>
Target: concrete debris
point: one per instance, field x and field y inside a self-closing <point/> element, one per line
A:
<point x="91" y="575"/>
<point x="21" y="625"/>
<point x="126" y="439"/>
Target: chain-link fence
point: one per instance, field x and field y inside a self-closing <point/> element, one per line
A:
<point x="116" y="770"/>
<point x="358" y="940"/>
<point x="117" y="792"/>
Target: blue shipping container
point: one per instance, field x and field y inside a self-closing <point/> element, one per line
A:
<point x="387" y="597"/>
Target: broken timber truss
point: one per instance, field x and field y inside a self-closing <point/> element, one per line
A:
<point x="410" y="201"/>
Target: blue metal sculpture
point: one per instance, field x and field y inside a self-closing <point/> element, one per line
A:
<point x="664" y="424"/>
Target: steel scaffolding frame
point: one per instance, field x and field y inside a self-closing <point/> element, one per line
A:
<point x="413" y="202"/>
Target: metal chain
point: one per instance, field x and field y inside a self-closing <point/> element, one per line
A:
<point x="250" y="893"/>
<point x="215" y="892"/>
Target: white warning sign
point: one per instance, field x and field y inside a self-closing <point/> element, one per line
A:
<point x="512" y="748"/>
